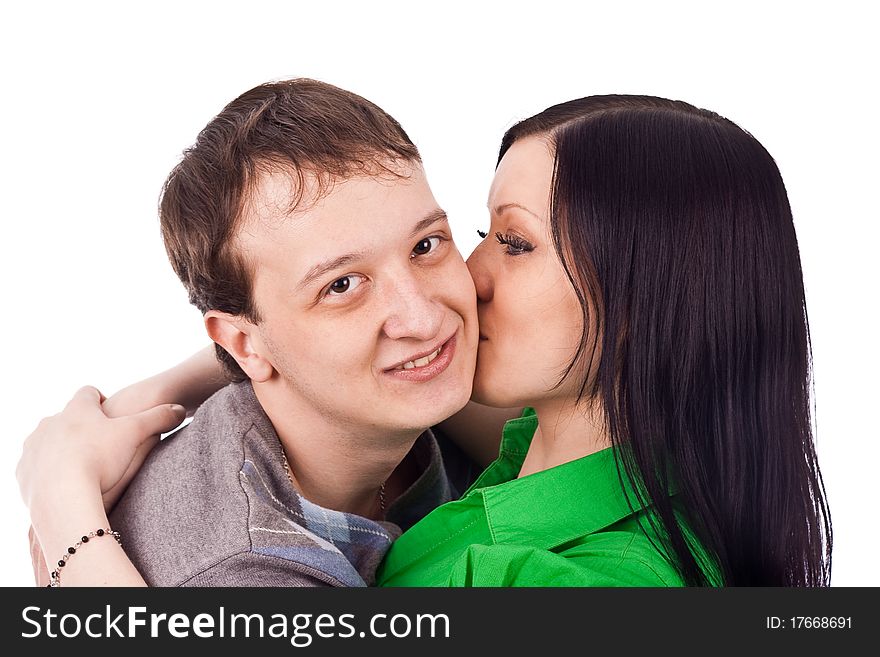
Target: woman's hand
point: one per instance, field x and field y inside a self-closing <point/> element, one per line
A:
<point x="81" y="449"/>
<point x="68" y="466"/>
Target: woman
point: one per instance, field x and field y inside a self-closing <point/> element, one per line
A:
<point x="645" y="292"/>
<point x="640" y="291"/>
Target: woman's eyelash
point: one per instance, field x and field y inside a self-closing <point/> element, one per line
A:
<point x="481" y="233"/>
<point x="515" y="245"/>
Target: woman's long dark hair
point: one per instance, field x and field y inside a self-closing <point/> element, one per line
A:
<point x="675" y="230"/>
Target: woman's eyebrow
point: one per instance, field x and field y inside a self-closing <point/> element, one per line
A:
<point x="499" y="209"/>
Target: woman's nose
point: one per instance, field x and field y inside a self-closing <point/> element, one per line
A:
<point x="483" y="281"/>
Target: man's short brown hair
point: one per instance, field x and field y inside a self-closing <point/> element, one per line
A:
<point x="300" y="126"/>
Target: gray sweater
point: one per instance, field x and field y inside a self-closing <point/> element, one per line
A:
<point x="212" y="506"/>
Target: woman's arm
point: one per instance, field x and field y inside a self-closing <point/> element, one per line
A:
<point x="67" y="464"/>
<point x="188" y="384"/>
<point x="476" y="429"/>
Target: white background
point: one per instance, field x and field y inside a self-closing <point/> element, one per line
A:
<point x="99" y="100"/>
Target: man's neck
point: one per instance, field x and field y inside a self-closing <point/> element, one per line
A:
<point x="336" y="465"/>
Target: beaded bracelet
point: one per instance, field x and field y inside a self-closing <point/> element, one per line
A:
<point x="55" y="575"/>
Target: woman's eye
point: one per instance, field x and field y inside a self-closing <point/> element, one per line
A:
<point x="343" y="285"/>
<point x="425" y="246"/>
<point x="514" y="244"/>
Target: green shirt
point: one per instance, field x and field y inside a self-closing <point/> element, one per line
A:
<point x="569" y="525"/>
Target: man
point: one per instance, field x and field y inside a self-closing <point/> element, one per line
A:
<point x="303" y="228"/>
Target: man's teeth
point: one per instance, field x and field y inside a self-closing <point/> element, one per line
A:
<point x="420" y="362"/>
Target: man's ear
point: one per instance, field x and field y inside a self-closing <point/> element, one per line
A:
<point x="242" y="340"/>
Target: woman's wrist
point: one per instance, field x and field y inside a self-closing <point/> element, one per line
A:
<point x="58" y="524"/>
<point x="97" y="561"/>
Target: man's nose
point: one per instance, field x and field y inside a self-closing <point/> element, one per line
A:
<point x="414" y="311"/>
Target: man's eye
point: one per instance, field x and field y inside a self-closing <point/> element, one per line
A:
<point x="425" y="246"/>
<point x="345" y="284"/>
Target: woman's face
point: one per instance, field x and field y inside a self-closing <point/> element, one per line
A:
<point x="530" y="318"/>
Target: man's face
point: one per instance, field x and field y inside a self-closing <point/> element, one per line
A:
<point x="368" y="311"/>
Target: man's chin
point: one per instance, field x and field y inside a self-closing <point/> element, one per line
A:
<point x="436" y="411"/>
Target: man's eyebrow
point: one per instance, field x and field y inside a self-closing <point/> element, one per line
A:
<point x="329" y="265"/>
<point x="504" y="206"/>
<point x="431" y="218"/>
<point x="322" y="268"/>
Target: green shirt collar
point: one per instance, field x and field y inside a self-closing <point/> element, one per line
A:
<point x="570" y="500"/>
